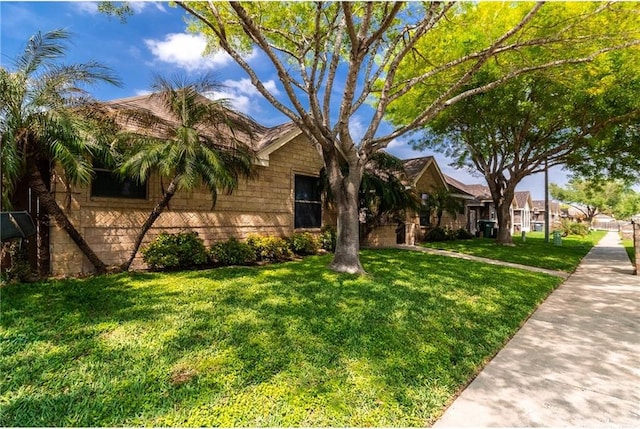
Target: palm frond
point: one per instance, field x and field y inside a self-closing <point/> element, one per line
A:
<point x="40" y="48"/>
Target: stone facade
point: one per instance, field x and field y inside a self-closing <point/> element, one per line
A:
<point x="264" y="205"/>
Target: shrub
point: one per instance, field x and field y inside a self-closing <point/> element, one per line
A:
<point x="175" y="251"/>
<point x="269" y="248"/>
<point x="304" y="243"/>
<point x="232" y="252"/>
<point x="573" y="228"/>
<point x="463" y="234"/>
<point x="328" y="238"/>
<point x="437" y="234"/>
<point x="19" y="269"/>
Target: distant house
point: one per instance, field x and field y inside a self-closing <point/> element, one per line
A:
<point x="284" y="198"/>
<point x="425" y="177"/>
<point x="520" y="211"/>
<point x="479" y="207"/>
<point x="538" y="214"/>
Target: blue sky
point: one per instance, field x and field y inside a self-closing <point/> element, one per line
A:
<point x="154" y="40"/>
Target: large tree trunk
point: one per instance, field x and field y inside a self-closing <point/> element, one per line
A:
<point x="504" y="224"/>
<point x="153" y="216"/>
<point x="502" y="192"/>
<point x="51" y="207"/>
<point x="346" y="258"/>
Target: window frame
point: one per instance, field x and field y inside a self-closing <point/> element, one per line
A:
<point x="316" y="204"/>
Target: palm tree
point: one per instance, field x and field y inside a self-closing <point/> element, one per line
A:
<point x="47" y="117"/>
<point x="383" y="196"/>
<point x="199" y="144"/>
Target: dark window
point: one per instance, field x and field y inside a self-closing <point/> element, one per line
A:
<point x="425" y="216"/>
<point x="308" y="202"/>
<point x="107" y="184"/>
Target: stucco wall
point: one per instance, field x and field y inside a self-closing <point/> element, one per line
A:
<point x="264" y="205"/>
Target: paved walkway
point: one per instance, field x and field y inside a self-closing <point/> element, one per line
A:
<point x="481" y="259"/>
<point x="575" y="362"/>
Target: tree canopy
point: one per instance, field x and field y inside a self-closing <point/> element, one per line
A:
<point x="592" y="197"/>
<point x="333" y="59"/>
<point x="555" y="116"/>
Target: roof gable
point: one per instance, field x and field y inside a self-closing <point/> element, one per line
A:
<point x="262" y="140"/>
<point x="416" y="167"/>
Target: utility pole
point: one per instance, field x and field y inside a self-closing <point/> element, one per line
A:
<point x="546" y="201"/>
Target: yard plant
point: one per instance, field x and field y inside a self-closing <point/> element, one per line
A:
<point x="291" y="344"/>
<point x="533" y="251"/>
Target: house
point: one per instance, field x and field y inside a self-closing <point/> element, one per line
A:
<point x="284" y="198"/>
<point x="425" y="177"/>
<point x="538" y="214"/>
<point x="520" y="211"/>
<point x="479" y="207"/>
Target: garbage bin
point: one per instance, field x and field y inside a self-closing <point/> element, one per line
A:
<point x="557" y="238"/>
<point x="487" y="228"/>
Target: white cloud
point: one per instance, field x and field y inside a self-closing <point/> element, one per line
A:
<point x="239" y="102"/>
<point x="244" y="86"/>
<point x="142" y="92"/>
<point x="357" y="129"/>
<point x="87" y="7"/>
<point x="139" y="6"/>
<point x="242" y="95"/>
<point x="91" y="7"/>
<point x="185" y="51"/>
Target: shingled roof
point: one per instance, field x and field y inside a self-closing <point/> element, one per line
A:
<point x="415" y="166"/>
<point x="521" y="197"/>
<point x="258" y="137"/>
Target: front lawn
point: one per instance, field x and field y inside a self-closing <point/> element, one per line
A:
<point x="534" y="251"/>
<point x="282" y="345"/>
<point x="628" y="246"/>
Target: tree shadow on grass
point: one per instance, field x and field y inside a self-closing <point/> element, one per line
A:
<point x="285" y="345"/>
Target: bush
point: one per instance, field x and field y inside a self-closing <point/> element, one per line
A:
<point x="437" y="234"/>
<point x="304" y="243"/>
<point x="573" y="228"/>
<point x="269" y="248"/>
<point x="232" y="252"/>
<point x="175" y="251"/>
<point x="19" y="269"/>
<point x="463" y="234"/>
<point x="328" y="238"/>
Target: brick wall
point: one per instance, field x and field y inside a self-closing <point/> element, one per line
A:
<point x="264" y="205"/>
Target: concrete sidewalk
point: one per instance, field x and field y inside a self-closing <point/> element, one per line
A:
<point x="575" y="362"/>
<point x="481" y="259"/>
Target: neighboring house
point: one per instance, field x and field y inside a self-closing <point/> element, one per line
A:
<point x="479" y="207"/>
<point x="283" y="199"/>
<point x="425" y="177"/>
<point x="538" y="214"/>
<point x="520" y="211"/>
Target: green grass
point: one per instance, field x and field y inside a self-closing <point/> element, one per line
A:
<point x="628" y="246"/>
<point x="283" y="345"/>
<point x="534" y="251"/>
